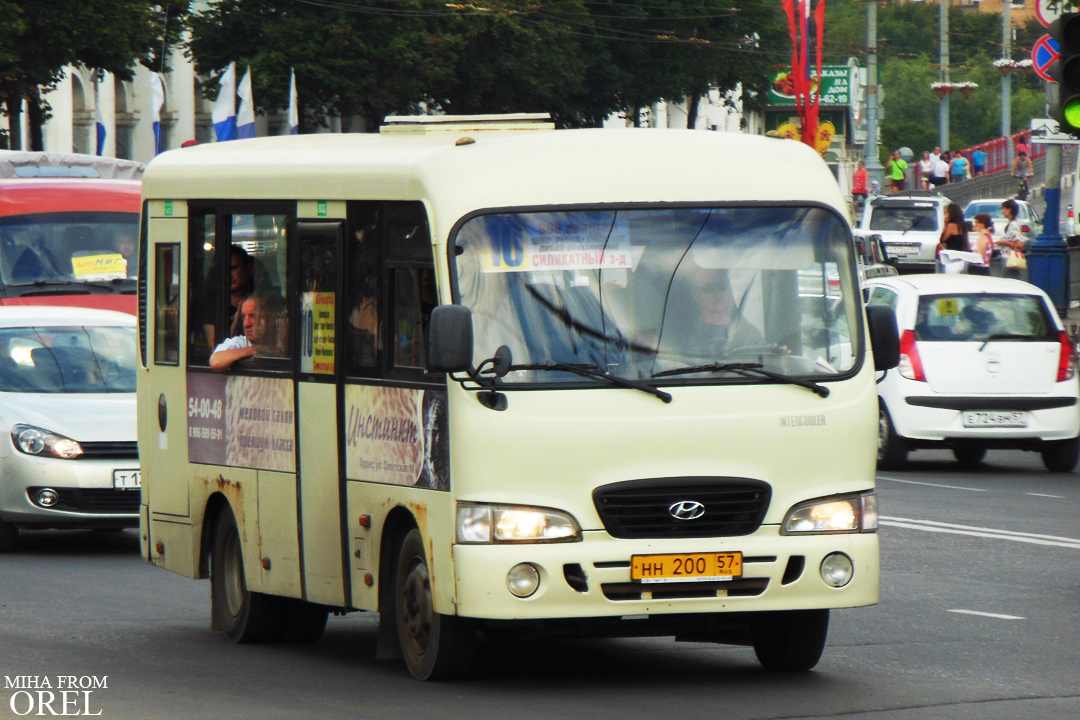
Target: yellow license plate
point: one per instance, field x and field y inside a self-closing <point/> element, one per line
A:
<point x="694" y="567"/>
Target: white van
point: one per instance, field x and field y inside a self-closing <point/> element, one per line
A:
<point x="525" y="381"/>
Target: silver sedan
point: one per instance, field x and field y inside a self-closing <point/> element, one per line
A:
<point x="68" y="451"/>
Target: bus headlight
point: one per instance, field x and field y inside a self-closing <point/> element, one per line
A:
<point x="35" y="441"/>
<point x="839" y="514"/>
<point x="514" y="524"/>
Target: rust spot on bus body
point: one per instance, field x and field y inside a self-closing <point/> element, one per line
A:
<point x="232" y="490"/>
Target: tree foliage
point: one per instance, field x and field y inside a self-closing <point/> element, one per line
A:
<point x="580" y="60"/>
<point x="909" y="60"/>
<point x="39" y="39"/>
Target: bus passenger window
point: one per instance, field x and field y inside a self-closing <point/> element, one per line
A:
<point x="414" y="298"/>
<point x="167" y="305"/>
<point x="261" y="242"/>
<point x="362" y="293"/>
<point x="318" y="296"/>
<point x="202" y="288"/>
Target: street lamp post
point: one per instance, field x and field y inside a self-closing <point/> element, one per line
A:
<point x="943" y="106"/>
<point x="870" y="149"/>
<point x="1006" y="82"/>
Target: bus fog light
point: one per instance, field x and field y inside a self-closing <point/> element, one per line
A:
<point x="47" y="497"/>
<point x="837" y="569"/>
<point x="523" y="580"/>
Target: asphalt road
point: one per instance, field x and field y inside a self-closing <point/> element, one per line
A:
<point x="979" y="618"/>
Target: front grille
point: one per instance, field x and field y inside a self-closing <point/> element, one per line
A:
<point x="739" y="587"/>
<point x="641" y="508"/>
<point x="94" y="500"/>
<point x="109" y="450"/>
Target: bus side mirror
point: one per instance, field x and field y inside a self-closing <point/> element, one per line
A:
<point x="884" y="339"/>
<point x="450" y="339"/>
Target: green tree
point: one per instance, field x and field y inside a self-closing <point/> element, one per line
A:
<point x="369" y="59"/>
<point x="908" y="41"/>
<point x="40" y="39"/>
<point x="577" y="60"/>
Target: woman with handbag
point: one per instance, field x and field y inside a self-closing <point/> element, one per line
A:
<point x="1012" y="243"/>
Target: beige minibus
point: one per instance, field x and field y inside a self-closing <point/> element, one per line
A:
<point x="510" y="380"/>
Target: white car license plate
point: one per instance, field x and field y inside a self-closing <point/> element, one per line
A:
<point x="895" y="250"/>
<point x="127" y="479"/>
<point x="989" y="418"/>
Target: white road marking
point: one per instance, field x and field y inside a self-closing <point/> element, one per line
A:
<point x="947" y="487"/>
<point x="989" y="615"/>
<point x="1056" y="497"/>
<point x="974" y="531"/>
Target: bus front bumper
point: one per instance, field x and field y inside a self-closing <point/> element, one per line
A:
<point x="592" y="578"/>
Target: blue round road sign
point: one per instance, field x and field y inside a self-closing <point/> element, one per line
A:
<point x="1043" y="55"/>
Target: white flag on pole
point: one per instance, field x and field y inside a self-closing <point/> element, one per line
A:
<point x="223" y="113"/>
<point x="99" y="122"/>
<point x="245" y="116"/>
<point x="294" y="113"/>
<point x="157" y="100"/>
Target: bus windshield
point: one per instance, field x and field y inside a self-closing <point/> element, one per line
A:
<point x="65" y="248"/>
<point x="679" y="294"/>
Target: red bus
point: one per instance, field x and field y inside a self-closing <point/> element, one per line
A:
<point x="67" y="236"/>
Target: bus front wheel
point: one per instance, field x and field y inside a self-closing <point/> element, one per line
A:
<point x="435" y="647"/>
<point x="246" y="617"/>
<point x="790" y="641"/>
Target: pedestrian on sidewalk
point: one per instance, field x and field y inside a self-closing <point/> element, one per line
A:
<point x="898" y="172"/>
<point x="859" y="181"/>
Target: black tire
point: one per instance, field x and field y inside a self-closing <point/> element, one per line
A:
<point x="435" y="647"/>
<point x="9" y="535"/>
<point x="969" y="455"/>
<point x="891" y="449"/>
<point x="790" y="641"/>
<point x="245" y="617"/>
<point x="1061" y="456"/>
<point x="304" y="621"/>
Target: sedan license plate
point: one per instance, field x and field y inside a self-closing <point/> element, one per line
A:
<point x="990" y="418"/>
<point x="895" y="250"/>
<point x="127" y="479"/>
<point x="696" y="567"/>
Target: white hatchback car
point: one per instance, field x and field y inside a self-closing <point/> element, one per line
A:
<point x="984" y="364"/>
<point x="68" y="452"/>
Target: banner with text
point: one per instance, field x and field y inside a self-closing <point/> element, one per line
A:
<point x="398" y="436"/>
<point x="241" y="421"/>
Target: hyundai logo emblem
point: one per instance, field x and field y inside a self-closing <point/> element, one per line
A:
<point x="686" y="510"/>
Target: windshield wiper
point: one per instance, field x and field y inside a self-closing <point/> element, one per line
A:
<point x="910" y="227"/>
<point x="747" y="370"/>
<point x="594" y="372"/>
<point x="53" y="283"/>
<point x="1007" y="336"/>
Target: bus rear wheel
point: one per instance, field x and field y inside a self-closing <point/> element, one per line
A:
<point x="790" y="641"/>
<point x="435" y="647"/>
<point x="246" y="617"/>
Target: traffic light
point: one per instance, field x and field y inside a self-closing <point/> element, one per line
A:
<point x="1066" y="70"/>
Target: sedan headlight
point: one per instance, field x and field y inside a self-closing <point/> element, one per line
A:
<point x="35" y="441"/>
<point x="838" y="514"/>
<point x="478" y="524"/>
